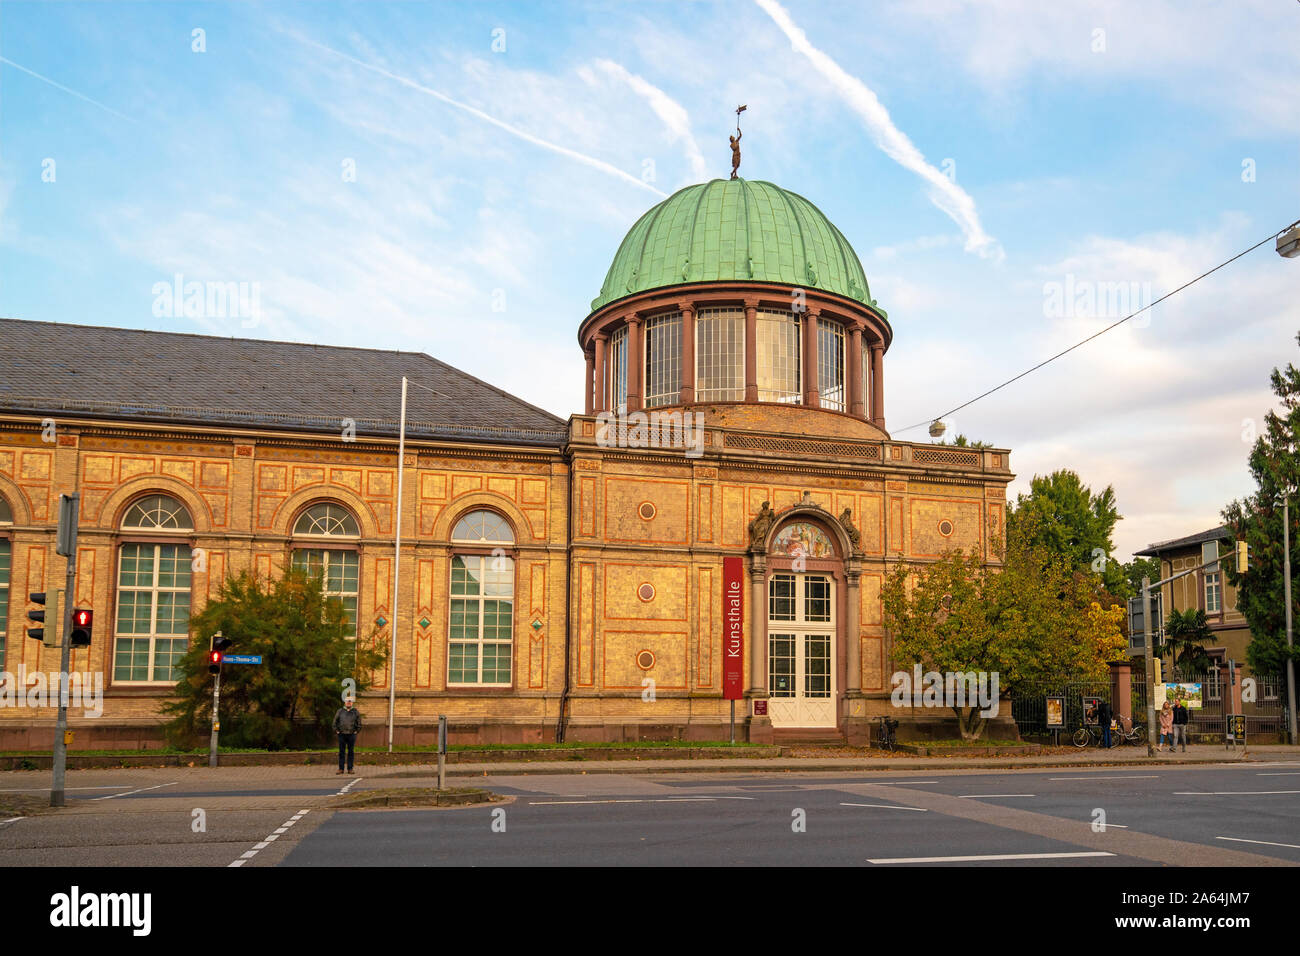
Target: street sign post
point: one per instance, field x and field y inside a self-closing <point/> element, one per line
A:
<point x="67" y="546"/>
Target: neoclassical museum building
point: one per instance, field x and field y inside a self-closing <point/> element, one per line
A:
<point x="555" y="577"/>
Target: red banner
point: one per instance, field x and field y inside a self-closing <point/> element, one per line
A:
<point x="733" y="629"/>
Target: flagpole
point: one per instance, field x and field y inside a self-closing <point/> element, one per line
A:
<point x="397" y="563"/>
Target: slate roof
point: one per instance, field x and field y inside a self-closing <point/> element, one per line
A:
<point x="1163" y="547"/>
<point x="169" y="377"/>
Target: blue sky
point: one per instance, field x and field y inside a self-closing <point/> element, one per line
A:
<point x="1086" y="142"/>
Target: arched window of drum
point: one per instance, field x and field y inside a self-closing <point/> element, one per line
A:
<point x="151" y="630"/>
<point x="480" y="636"/>
<point x="720" y="355"/>
<point x="157" y="513"/>
<point x="338" y="568"/>
<point x="778" y="357"/>
<point x="482" y="528"/>
<point x="6" y="561"/>
<point x="663" y="360"/>
<point x="618" y="369"/>
<point x="830" y="364"/>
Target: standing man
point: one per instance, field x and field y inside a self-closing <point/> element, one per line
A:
<point x="1103" y="717"/>
<point x="347" y="724"/>
<point x="1180" y="725"/>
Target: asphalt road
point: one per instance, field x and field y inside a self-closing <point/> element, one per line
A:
<point x="1246" y="814"/>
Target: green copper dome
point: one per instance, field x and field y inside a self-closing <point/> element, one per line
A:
<point x="735" y="229"/>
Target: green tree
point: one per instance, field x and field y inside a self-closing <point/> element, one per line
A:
<point x="1257" y="520"/>
<point x="1069" y="519"/>
<point x="1139" y="568"/>
<point x="290" y="698"/>
<point x="1035" y="618"/>
<point x="1186" y="634"/>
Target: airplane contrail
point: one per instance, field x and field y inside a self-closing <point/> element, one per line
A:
<point x="72" y="92"/>
<point x="513" y="130"/>
<point x="944" y="192"/>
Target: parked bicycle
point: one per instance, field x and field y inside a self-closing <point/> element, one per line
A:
<point x="1135" y="734"/>
<point x="885" y="738"/>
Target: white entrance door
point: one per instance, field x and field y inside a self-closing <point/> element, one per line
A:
<point x="801" y="650"/>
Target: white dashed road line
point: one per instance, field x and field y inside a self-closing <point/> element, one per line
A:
<point x="348" y="787"/>
<point x="259" y="847"/>
<point x="565" y="803"/>
<point x="1148" y="776"/>
<point x="884" y="806"/>
<point x="112" y="796"/>
<point x="995" y="856"/>
<point x="1228" y="793"/>
<point x="978" y="796"/>
<point x="10" y="820"/>
<point x="1260" y="842"/>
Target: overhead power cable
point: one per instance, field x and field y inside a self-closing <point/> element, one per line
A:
<point x="1116" y="324"/>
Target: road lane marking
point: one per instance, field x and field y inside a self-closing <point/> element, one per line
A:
<point x="565" y="803"/>
<point x="976" y="796"/>
<point x="1227" y="793"/>
<point x="113" y="796"/>
<point x="993" y="856"/>
<point x="348" y="787"/>
<point x="1289" y="773"/>
<point x="10" y="820"/>
<point x="885" y="806"/>
<point x="1148" y="776"/>
<point x="1260" y="842"/>
<point x="259" y="847"/>
<point x="895" y="783"/>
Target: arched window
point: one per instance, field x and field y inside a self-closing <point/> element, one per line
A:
<point x="153" y="593"/>
<point x="6" y="561"/>
<point x="778" y="357"/>
<point x="480" y="636"/>
<point x="338" y="568"/>
<point x="830" y="365"/>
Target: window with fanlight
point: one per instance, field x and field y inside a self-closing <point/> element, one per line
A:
<point x="151" y="627"/>
<point x="317" y="532"/>
<point x="480" y="638"/>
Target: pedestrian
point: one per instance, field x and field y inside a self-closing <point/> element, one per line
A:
<point x="1180" y="726"/>
<point x="1166" y="728"/>
<point x="1103" y="717"/>
<point x="347" y="724"/>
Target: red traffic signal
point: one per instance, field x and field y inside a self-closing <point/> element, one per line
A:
<point x="82" y="619"/>
<point x="214" y="661"/>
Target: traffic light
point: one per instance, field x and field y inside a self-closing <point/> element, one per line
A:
<point x="47" y="614"/>
<point x="1243" y="557"/>
<point x="216" y="652"/>
<point x="82" y="620"/>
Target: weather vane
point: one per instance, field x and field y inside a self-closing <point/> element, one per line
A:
<point x="735" y="143"/>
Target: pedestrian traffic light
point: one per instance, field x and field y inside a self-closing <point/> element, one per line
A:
<point x="82" y="621"/>
<point x="1243" y="557"/>
<point x="47" y="614"/>
<point x="216" y="652"/>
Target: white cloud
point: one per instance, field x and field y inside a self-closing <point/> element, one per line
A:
<point x="670" y="112"/>
<point x="944" y="192"/>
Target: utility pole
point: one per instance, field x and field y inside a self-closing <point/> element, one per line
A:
<point x="1286" y="596"/>
<point x="397" y="565"/>
<point x="67" y="546"/>
<point x="1147" y="628"/>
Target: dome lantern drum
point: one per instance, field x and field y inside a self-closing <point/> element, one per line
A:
<point x="736" y="292"/>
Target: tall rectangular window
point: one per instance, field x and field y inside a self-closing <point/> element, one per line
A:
<point x="1213" y="584"/>
<point x="5" y="563"/>
<point x="618" y="365"/>
<point x="153" y="612"/>
<point x="338" y="573"/>
<point x="778" y="357"/>
<point x="720" y="355"/>
<point x="663" y="360"/>
<point x="830" y="364"/>
<point x="482" y="615"/>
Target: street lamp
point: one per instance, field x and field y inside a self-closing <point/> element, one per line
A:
<point x="1286" y="597"/>
<point x="1288" y="243"/>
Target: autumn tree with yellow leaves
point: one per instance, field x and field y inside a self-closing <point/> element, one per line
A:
<point x="1036" y="617"/>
